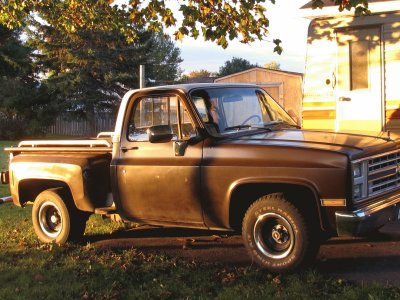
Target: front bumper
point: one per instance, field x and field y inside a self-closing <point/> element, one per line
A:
<point x="367" y="219"/>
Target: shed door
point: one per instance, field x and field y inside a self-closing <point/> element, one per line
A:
<point x="359" y="96"/>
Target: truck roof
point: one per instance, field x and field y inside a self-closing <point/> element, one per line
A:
<point x="188" y="87"/>
<point x="185" y="88"/>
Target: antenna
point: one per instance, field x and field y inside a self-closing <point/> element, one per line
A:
<point x="142" y="80"/>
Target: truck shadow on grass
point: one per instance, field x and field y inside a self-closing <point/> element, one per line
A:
<point x="372" y="259"/>
<point x="380" y="268"/>
<point x="157" y="238"/>
<point x="375" y="258"/>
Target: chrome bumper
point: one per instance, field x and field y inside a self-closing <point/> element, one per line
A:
<point x="6" y="199"/>
<point x="370" y="218"/>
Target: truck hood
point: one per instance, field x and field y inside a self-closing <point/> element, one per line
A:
<point x="353" y="145"/>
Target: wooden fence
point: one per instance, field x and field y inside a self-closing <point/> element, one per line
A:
<point x="65" y="125"/>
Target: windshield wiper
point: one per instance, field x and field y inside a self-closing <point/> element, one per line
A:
<point x="274" y="122"/>
<point x="264" y="126"/>
<point x="280" y="122"/>
<point x="238" y="127"/>
<point x="246" y="126"/>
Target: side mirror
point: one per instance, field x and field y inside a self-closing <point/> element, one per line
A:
<point x="160" y="134"/>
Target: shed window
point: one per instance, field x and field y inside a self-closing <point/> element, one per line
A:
<point x="359" y="77"/>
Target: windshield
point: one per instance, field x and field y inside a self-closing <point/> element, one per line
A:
<point x="226" y="110"/>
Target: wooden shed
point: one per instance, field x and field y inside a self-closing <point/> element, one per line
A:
<point x="352" y="68"/>
<point x="285" y="87"/>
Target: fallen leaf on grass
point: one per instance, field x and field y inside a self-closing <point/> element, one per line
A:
<point x="39" y="277"/>
<point x="277" y="280"/>
<point x="85" y="295"/>
<point x="227" y="276"/>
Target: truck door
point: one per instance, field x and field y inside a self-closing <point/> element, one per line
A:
<point x="359" y="96"/>
<point x="155" y="182"/>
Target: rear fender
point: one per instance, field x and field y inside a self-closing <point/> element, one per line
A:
<point x="40" y="174"/>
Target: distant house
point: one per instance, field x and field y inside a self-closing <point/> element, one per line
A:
<point x="352" y="68"/>
<point x="285" y="87"/>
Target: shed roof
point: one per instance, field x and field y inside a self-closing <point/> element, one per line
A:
<point x="263" y="70"/>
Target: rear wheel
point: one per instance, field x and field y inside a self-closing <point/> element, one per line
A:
<point x="55" y="217"/>
<point x="277" y="236"/>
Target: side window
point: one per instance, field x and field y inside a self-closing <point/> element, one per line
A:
<point x="152" y="111"/>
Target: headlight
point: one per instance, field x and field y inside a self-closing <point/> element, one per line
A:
<point x="357" y="170"/>
<point x="360" y="184"/>
<point x="357" y="191"/>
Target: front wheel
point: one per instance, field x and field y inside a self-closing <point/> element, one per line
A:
<point x="277" y="236"/>
<point x="56" y="219"/>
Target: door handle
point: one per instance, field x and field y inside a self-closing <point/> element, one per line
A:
<point x="125" y="149"/>
<point x="344" y="99"/>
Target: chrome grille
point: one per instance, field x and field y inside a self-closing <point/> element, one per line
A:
<point x="383" y="173"/>
<point x="383" y="162"/>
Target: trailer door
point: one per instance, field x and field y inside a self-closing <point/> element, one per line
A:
<point x="358" y="91"/>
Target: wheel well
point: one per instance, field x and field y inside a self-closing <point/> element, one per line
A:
<point x="29" y="189"/>
<point x="300" y="196"/>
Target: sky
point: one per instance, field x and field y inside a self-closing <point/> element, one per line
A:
<point x="286" y="24"/>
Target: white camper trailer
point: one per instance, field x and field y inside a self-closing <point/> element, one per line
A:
<point x="352" y="76"/>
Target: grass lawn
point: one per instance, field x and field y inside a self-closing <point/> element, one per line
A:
<point x="32" y="270"/>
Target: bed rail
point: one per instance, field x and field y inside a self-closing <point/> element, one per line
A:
<point x="100" y="145"/>
<point x="66" y="143"/>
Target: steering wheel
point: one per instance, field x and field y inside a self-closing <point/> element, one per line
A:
<point x="252" y="117"/>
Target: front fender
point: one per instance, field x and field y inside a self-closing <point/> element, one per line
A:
<point x="273" y="183"/>
<point x="274" y="180"/>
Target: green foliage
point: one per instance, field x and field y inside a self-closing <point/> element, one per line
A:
<point x="360" y="6"/>
<point x="83" y="69"/>
<point x="200" y="73"/>
<point x="89" y="71"/>
<point x="217" y="20"/>
<point x="278" y="48"/>
<point x="23" y="105"/>
<point x="14" y="57"/>
<point x="273" y="65"/>
<point x="236" y="64"/>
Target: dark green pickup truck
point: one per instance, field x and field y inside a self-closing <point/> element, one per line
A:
<point x="217" y="157"/>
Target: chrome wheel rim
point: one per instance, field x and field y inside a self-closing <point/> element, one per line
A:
<point x="50" y="219"/>
<point x="273" y="235"/>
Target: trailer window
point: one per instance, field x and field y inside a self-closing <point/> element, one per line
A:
<point x="359" y="77"/>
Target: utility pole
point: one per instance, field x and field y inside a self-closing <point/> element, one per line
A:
<point x="142" y="80"/>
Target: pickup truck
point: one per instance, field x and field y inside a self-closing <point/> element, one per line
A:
<point x="217" y="157"/>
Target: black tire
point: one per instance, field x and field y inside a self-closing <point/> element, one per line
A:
<point x="56" y="219"/>
<point x="277" y="236"/>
